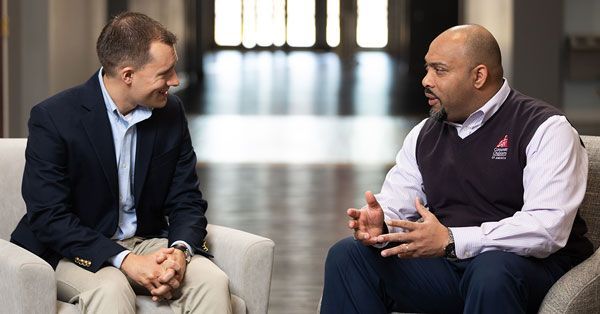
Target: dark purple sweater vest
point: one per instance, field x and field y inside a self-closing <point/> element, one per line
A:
<point x="480" y="178"/>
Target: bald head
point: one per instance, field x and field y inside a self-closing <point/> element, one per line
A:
<point x="463" y="71"/>
<point x="480" y="47"/>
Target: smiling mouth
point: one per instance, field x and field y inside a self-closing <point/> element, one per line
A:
<point x="164" y="92"/>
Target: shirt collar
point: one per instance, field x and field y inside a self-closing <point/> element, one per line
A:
<point x="108" y="102"/>
<point x="112" y="107"/>
<point x="481" y="115"/>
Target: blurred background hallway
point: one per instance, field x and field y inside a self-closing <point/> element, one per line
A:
<point x="297" y="107"/>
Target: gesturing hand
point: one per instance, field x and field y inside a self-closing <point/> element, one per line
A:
<point x="421" y="239"/>
<point x="367" y="222"/>
<point x="145" y="270"/>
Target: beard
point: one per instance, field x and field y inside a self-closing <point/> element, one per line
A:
<point x="438" y="115"/>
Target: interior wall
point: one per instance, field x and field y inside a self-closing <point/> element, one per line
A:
<point x="74" y="26"/>
<point x="51" y="47"/>
<point x="582" y="94"/>
<point x="169" y="13"/>
<point x="28" y="51"/>
<point x="538" y="52"/>
<point x="497" y="17"/>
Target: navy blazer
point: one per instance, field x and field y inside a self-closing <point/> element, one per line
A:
<point x="70" y="183"/>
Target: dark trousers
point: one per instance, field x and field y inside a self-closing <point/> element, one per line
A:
<point x="359" y="280"/>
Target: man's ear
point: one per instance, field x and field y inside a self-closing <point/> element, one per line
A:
<point x="126" y="74"/>
<point x="481" y="73"/>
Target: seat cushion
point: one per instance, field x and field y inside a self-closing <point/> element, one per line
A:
<point x="146" y="305"/>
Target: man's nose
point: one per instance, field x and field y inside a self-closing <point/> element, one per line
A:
<point x="174" y="80"/>
<point x="426" y="82"/>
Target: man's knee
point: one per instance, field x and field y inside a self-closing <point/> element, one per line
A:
<point x="217" y="279"/>
<point x="204" y="273"/>
<point x="493" y="272"/>
<point x="115" y="290"/>
<point x="342" y="250"/>
<point x="107" y="296"/>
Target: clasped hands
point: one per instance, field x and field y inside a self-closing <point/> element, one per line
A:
<point x="160" y="272"/>
<point x="425" y="238"/>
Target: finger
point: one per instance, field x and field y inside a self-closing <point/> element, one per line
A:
<point x="174" y="283"/>
<point x="401" y="250"/>
<point x="161" y="291"/>
<point x="353" y="213"/>
<point x="421" y="209"/>
<point x="166" y="296"/>
<point x="371" y="200"/>
<point x="160" y="258"/>
<point x="405" y="224"/>
<point x="167" y="276"/>
<point x="362" y="235"/>
<point x="394" y="237"/>
<point x="353" y="224"/>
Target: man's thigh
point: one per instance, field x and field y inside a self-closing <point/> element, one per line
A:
<point x="424" y="285"/>
<point x="73" y="280"/>
<point x="410" y="285"/>
<point x="526" y="279"/>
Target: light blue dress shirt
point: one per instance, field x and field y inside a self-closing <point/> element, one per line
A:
<point x="125" y="140"/>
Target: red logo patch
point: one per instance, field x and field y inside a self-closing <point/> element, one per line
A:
<point x="501" y="150"/>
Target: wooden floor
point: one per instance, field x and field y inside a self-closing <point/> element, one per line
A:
<point x="300" y="207"/>
<point x="286" y="142"/>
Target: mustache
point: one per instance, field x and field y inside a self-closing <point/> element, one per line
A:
<point x="428" y="91"/>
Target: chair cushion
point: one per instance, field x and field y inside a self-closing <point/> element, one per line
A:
<point x="146" y="305"/>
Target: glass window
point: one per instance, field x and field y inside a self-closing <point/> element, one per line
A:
<point x="228" y="22"/>
<point x="301" y="23"/>
<point x="371" y="26"/>
<point x="333" y="23"/>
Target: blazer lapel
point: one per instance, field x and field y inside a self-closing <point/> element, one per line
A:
<point x="146" y="133"/>
<point x="98" y="129"/>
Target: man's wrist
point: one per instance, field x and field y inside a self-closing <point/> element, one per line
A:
<point x="118" y="259"/>
<point x="186" y="251"/>
<point x="450" y="248"/>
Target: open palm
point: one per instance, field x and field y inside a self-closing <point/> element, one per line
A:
<point x="367" y="222"/>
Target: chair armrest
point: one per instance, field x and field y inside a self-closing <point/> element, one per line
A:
<point x="248" y="261"/>
<point x="577" y="291"/>
<point x="28" y="284"/>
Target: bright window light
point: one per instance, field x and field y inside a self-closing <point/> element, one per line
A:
<point x="249" y="23"/>
<point x="228" y="22"/>
<point x="264" y="22"/>
<point x="333" y="23"/>
<point x="279" y="22"/>
<point x="301" y="23"/>
<point x="371" y="28"/>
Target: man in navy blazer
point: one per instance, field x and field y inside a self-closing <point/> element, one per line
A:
<point x="110" y="183"/>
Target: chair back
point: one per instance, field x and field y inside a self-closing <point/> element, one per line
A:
<point x="12" y="162"/>
<point x="590" y="208"/>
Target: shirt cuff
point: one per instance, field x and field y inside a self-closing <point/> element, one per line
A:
<point x="468" y="241"/>
<point x="117" y="260"/>
<point x="186" y="245"/>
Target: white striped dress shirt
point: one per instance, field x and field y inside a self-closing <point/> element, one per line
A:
<point x="554" y="182"/>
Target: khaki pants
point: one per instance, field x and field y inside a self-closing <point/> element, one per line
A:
<point x="205" y="288"/>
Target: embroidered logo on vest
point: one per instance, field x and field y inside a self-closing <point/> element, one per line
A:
<point x="501" y="149"/>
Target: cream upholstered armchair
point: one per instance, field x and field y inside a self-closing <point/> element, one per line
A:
<point x="28" y="284"/>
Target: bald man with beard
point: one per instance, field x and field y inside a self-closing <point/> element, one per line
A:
<point x="479" y="214"/>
